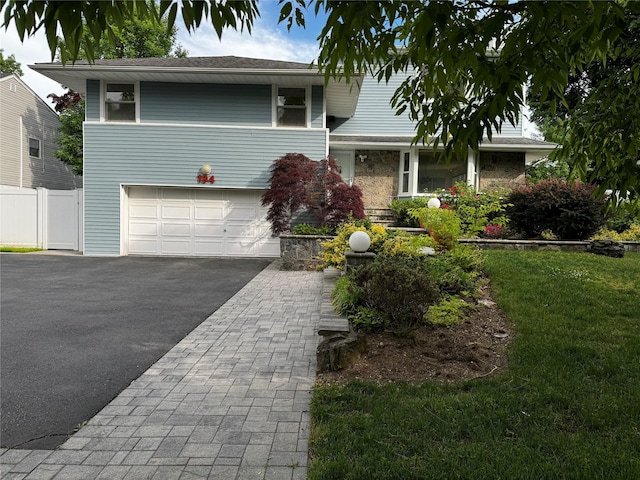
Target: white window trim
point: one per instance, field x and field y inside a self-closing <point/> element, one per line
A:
<point x="402" y="172"/>
<point x="103" y="95"/>
<point x="274" y="106"/>
<point x="29" y="138"/>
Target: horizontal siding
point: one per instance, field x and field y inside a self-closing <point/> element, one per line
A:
<point x="374" y="114"/>
<point x="39" y="121"/>
<point x="317" y="106"/>
<point x="92" y="101"/>
<point x="138" y="154"/>
<point x="212" y="104"/>
<point x="12" y="106"/>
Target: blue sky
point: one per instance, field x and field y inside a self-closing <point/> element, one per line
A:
<point x="269" y="40"/>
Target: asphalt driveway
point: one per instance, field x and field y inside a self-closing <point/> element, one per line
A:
<point x="75" y="331"/>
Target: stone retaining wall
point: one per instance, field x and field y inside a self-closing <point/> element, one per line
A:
<point x="300" y="252"/>
<point x="558" y="245"/>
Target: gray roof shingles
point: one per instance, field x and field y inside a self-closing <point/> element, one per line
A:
<point x="228" y="62"/>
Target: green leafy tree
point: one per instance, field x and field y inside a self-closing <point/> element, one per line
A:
<point x="137" y="38"/>
<point x="465" y="61"/>
<point x="70" y="137"/>
<point x="597" y="102"/>
<point x="9" y="64"/>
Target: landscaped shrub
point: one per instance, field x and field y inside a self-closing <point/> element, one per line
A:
<point x="346" y="297"/>
<point x="399" y="287"/>
<point x="568" y="209"/>
<point x="403" y="243"/>
<point x="623" y="215"/>
<point x="456" y="271"/>
<point x="401" y="207"/>
<point x="333" y="250"/>
<point x="476" y="210"/>
<point x="448" y="311"/>
<point x="441" y="223"/>
<point x="631" y="234"/>
<point x="306" y="229"/>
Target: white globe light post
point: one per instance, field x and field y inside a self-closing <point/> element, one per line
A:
<point x="359" y="241"/>
<point x="433" y="203"/>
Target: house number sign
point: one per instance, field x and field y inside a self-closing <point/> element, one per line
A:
<point x="206" y="178"/>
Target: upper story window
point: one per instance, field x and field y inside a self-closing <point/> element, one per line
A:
<point x="291" y="107"/>
<point x="120" y="102"/>
<point x="34" y="147"/>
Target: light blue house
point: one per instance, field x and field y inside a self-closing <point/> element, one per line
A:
<point x="178" y="151"/>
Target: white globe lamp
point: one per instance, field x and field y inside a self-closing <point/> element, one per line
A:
<point x="433" y="203"/>
<point x="359" y="241"/>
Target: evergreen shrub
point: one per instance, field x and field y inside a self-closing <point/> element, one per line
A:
<point x="567" y="209"/>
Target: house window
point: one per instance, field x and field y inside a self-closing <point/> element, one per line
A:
<point x="34" y="147"/>
<point x="434" y="172"/>
<point x="12" y="87"/>
<point x="406" y="165"/>
<point x="291" y="107"/>
<point x="120" y="102"/>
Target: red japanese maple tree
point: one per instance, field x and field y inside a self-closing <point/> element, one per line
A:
<point x="298" y="183"/>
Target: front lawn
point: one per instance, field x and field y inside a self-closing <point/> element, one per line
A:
<point x="568" y="405"/>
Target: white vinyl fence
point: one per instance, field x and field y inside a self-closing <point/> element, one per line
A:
<point x="48" y="219"/>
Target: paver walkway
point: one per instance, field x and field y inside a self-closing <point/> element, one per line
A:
<point x="230" y="401"/>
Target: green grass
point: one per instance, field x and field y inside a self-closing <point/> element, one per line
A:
<point x="567" y="407"/>
<point x="4" y="248"/>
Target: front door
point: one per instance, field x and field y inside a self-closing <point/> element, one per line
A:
<point x="345" y="161"/>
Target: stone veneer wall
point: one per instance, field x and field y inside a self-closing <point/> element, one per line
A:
<point x="501" y="169"/>
<point x="300" y="252"/>
<point x="377" y="177"/>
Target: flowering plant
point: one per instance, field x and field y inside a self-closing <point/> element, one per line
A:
<point x="494" y="231"/>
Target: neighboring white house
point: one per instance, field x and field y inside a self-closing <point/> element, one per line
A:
<point x="27" y="144"/>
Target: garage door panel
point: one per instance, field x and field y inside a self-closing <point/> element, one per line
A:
<point x="176" y="229"/>
<point x="140" y="246"/>
<point x="183" y="194"/>
<point x="148" y="229"/>
<point x="143" y="211"/>
<point x="198" y="221"/>
<point x="144" y="193"/>
<point x="211" y="212"/>
<point x="176" y="212"/>
<point x="241" y="212"/>
<point x="209" y="248"/>
<point x="171" y="246"/>
<point x="208" y="230"/>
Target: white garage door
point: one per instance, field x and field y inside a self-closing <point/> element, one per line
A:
<point x="198" y="222"/>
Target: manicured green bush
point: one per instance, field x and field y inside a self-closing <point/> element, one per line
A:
<point x="368" y="320"/>
<point x="631" y="234"/>
<point x="448" y="311"/>
<point x="399" y="287"/>
<point x="476" y="210"/>
<point x="401" y="207"/>
<point x="306" y="229"/>
<point x="345" y="296"/>
<point x="403" y="243"/>
<point x="623" y="215"/>
<point x="441" y="223"/>
<point x="333" y="250"/>
<point x="568" y="209"/>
